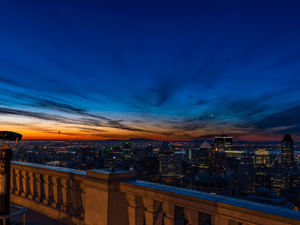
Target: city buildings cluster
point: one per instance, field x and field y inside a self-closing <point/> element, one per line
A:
<point x="267" y="173"/>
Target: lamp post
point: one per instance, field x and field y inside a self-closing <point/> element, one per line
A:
<point x="6" y="154"/>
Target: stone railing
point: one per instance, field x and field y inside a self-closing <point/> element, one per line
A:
<point x="101" y="197"/>
<point x="55" y="191"/>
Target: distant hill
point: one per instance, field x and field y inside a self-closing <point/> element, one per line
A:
<point x="140" y="139"/>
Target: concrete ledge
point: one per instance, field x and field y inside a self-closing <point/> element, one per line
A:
<point x="52" y="212"/>
<point x="105" y="174"/>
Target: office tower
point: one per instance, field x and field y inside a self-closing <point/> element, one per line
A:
<point x="127" y="149"/>
<point x="223" y="143"/>
<point x="151" y="164"/>
<point x="287" y="153"/>
<point x="87" y="158"/>
<point x="246" y="169"/>
<point x="166" y="149"/>
<point x="203" y="157"/>
<point x="116" y="150"/>
<point x="232" y="165"/>
<point x="195" y="154"/>
<point x="171" y="165"/>
<point x="105" y="151"/>
<point x="218" y="163"/>
<point x="293" y="178"/>
<point x="262" y="158"/>
<point x="263" y="178"/>
<point x="279" y="181"/>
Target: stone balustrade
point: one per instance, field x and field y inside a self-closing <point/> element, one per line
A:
<point x="101" y="197"/>
<point x="54" y="191"/>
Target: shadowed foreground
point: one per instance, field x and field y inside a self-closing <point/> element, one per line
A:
<point x="33" y="218"/>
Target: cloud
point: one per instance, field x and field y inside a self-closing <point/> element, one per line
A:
<point x="284" y="121"/>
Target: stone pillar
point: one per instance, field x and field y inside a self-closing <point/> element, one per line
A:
<point x="104" y="203"/>
<point x="48" y="190"/>
<point x="32" y="185"/>
<point x="57" y="195"/>
<point x="153" y="212"/>
<point x="19" y="189"/>
<point x="136" y="210"/>
<point x="66" y="194"/>
<point x="25" y="182"/>
<point x="174" y="214"/>
<point x="192" y="216"/>
<point x="39" y="186"/>
<point x="76" y="198"/>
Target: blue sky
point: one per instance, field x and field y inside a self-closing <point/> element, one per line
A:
<point x="163" y="70"/>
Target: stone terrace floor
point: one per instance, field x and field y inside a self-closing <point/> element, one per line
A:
<point x="33" y="218"/>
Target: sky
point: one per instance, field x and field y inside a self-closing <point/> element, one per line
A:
<point x="164" y="70"/>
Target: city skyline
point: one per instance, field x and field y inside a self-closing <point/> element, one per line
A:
<point x="121" y="70"/>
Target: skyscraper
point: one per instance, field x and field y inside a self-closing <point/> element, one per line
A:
<point x="223" y="143"/>
<point x="262" y="158"/>
<point x="127" y="149"/>
<point x="287" y="152"/>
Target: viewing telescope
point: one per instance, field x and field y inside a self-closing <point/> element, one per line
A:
<point x="10" y="136"/>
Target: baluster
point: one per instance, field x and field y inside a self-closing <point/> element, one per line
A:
<point x="12" y="181"/>
<point x="48" y="189"/>
<point x="192" y="216"/>
<point x="32" y="185"/>
<point x="153" y="214"/>
<point x="82" y="199"/>
<point x="19" y="189"/>
<point x="57" y="194"/>
<point x="174" y="214"/>
<point x="136" y="210"/>
<point x="25" y="182"/>
<point x="217" y="220"/>
<point x="76" y="198"/>
<point x="66" y="195"/>
<point x="39" y="187"/>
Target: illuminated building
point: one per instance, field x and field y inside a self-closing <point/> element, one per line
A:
<point x="262" y="158"/>
<point x="127" y="149"/>
<point x="287" y="153"/>
<point x="235" y="153"/>
<point x="209" y="160"/>
<point x="87" y="158"/>
<point x="293" y="178"/>
<point x="170" y="165"/>
<point x="151" y="164"/>
<point x="223" y="143"/>
<point x="116" y="150"/>
<point x="165" y="149"/>
<point x="263" y="178"/>
<point x="203" y="156"/>
<point x="279" y="180"/>
<point x="106" y="151"/>
<point x="246" y="169"/>
<point x="217" y="162"/>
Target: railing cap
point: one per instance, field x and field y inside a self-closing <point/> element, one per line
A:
<point x="106" y="174"/>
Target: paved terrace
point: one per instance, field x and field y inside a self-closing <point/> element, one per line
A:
<point x="99" y="197"/>
<point x="34" y="218"/>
